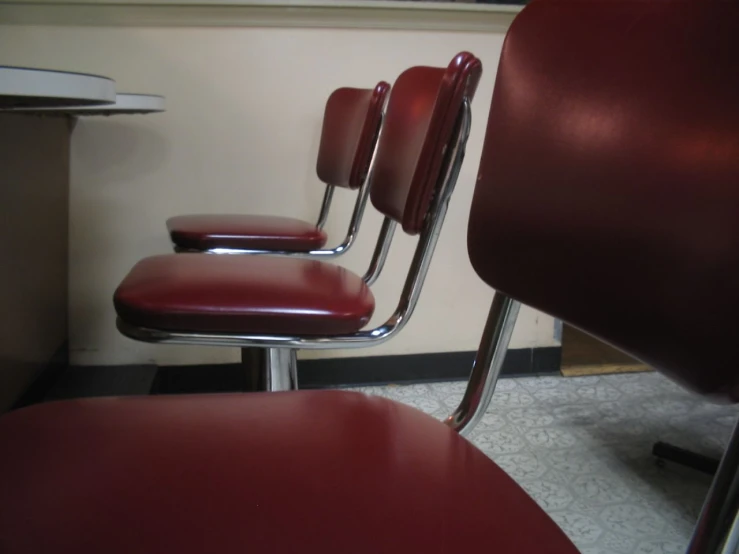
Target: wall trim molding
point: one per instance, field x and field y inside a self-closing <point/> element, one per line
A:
<point x="424" y="16"/>
<point x="364" y="370"/>
<point x="60" y="381"/>
<point x="420" y="368"/>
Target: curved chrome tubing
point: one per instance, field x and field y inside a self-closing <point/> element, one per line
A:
<point x="377" y="263"/>
<point x="325" y="253"/>
<point x="487" y="365"/>
<point x="325" y="205"/>
<point x="379" y="256"/>
<point x="408" y="298"/>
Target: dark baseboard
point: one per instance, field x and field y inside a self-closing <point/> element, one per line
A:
<point x="59" y="380"/>
<point x="45" y="379"/>
<point x="92" y="381"/>
<point x="419" y="368"/>
<point x="368" y="370"/>
<point x="198" y="379"/>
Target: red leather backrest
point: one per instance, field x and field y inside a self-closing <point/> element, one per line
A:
<point x="608" y="192"/>
<point x="420" y="121"/>
<point x="351" y="122"/>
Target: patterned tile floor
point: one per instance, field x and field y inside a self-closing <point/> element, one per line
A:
<point x="582" y="448"/>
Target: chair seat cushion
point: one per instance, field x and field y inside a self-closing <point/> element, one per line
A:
<point x="243" y="294"/>
<point x="249" y="232"/>
<point x="308" y="471"/>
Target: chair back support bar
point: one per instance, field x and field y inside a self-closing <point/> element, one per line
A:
<point x="328" y="195"/>
<point x="487" y="365"/>
<point x="324" y="253"/>
<point x="409" y="158"/>
<point x="345" y="156"/>
<point x="351" y="122"/>
<point x="608" y="190"/>
<point x="382" y="248"/>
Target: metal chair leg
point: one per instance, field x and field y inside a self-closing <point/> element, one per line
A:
<point x="270" y="369"/>
<point x="717" y="530"/>
<point x="280" y="369"/>
<point x="488" y="364"/>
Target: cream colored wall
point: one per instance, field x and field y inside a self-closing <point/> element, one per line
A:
<point x="241" y="134"/>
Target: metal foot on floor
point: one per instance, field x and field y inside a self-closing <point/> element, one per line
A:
<point x="668" y="452"/>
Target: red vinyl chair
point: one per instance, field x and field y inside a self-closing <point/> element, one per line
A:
<point x="351" y="124"/>
<point x="281" y="304"/>
<point x="608" y="192"/>
<point x="611" y="145"/>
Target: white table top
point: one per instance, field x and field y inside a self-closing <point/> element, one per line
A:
<point x="30" y="87"/>
<point x="125" y="103"/>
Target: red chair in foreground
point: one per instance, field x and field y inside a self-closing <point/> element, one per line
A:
<point x="608" y="192"/>
<point x="351" y="125"/>
<point x="281" y="304"/>
<point x="611" y="153"/>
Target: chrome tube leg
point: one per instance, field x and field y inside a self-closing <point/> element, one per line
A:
<point x="487" y="365"/>
<point x="278" y="369"/>
<point x="717" y="530"/>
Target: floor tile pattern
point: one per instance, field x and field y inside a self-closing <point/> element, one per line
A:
<point x="582" y="448"/>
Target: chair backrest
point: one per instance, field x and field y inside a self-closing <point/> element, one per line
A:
<point x="351" y="123"/>
<point x="420" y="153"/>
<point x="608" y="192"/>
<point x="420" y="118"/>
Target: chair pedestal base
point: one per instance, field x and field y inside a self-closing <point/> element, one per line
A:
<point x="270" y="369"/>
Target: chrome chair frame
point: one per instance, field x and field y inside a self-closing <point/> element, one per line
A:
<point x="280" y="371"/>
<point x="379" y="256"/>
<point x="487" y="365"/>
<point x="717" y="528"/>
<point x="323" y="253"/>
